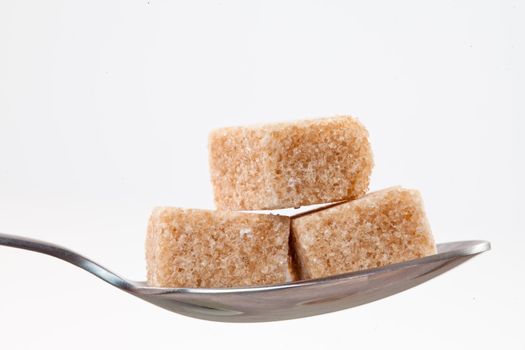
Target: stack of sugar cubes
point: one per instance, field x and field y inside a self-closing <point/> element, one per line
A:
<point x="287" y="165"/>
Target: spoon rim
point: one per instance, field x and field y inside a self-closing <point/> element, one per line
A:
<point x="445" y="250"/>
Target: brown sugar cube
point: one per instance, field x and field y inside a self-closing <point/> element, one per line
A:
<point x="381" y="228"/>
<point x="292" y="164"/>
<point x="202" y="248"/>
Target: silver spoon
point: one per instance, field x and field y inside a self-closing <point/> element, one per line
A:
<point x="275" y="302"/>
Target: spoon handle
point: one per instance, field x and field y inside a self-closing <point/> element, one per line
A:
<point x="66" y="255"/>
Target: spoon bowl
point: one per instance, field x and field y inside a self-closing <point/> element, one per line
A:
<point x="280" y="301"/>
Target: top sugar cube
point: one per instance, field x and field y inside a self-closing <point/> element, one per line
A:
<point x="292" y="164"/>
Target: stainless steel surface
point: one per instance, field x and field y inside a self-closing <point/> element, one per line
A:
<point x="276" y="302"/>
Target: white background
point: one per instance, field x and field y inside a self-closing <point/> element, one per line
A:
<point x="105" y="107"/>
